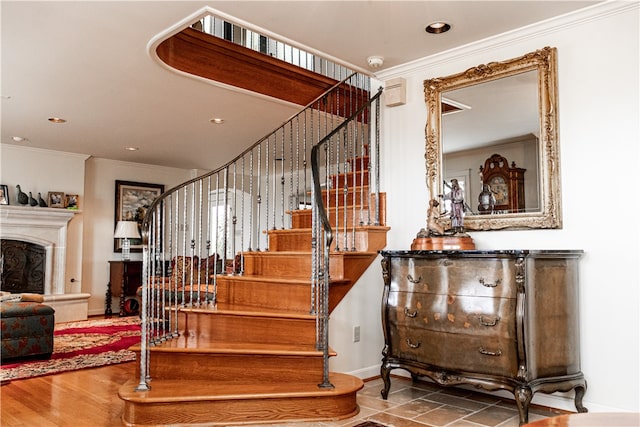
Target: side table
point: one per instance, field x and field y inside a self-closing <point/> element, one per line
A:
<point x="125" y="277"/>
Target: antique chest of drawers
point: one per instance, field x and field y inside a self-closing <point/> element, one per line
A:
<point x="492" y="319"/>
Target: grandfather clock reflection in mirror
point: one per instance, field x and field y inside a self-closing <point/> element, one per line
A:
<point x="502" y="182"/>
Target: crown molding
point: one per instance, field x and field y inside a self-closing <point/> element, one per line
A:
<point x="17" y="148"/>
<point x="548" y="26"/>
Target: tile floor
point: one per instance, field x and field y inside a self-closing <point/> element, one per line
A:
<point x="425" y="404"/>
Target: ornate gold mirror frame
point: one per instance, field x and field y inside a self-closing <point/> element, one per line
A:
<point x="544" y="61"/>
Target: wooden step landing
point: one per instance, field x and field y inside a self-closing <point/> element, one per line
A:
<point x="171" y="402"/>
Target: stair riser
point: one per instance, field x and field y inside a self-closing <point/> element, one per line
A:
<point x="272" y="295"/>
<point x="359" y="163"/>
<point x="302" y="218"/>
<point x="251" y="409"/>
<point x="365" y="241"/>
<point x="355" y="179"/>
<point x="289" y="265"/>
<point x="234" y="368"/>
<point x="247" y="329"/>
<point x="361" y="196"/>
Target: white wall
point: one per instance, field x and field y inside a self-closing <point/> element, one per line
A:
<point x="99" y="210"/>
<point x="599" y="138"/>
<point x="41" y="171"/>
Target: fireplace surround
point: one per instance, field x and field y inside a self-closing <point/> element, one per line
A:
<point x="47" y="227"/>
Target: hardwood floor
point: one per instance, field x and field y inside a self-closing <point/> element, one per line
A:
<point x="89" y="398"/>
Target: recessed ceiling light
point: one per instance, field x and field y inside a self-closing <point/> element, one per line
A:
<point x="437" y="27"/>
<point x="19" y="139"/>
<point x="217" y="121"/>
<point x="57" y="120"/>
<point x="131" y="148"/>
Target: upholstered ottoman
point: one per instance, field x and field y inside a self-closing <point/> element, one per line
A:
<point x="27" y="329"/>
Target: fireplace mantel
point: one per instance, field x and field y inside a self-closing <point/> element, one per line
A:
<point x="28" y="215"/>
<point x="46" y="227"/>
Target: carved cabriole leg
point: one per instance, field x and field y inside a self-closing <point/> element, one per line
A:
<point x="384" y="373"/>
<point x="575" y="382"/>
<point x="384" y="368"/>
<point x="580" y="391"/>
<point x="523" y="396"/>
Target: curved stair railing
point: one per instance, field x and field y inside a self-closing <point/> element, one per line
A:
<point x="334" y="149"/>
<point x="205" y="227"/>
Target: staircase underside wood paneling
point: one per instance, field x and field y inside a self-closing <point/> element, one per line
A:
<point x="213" y="58"/>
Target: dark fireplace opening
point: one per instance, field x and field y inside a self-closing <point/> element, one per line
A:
<point x="22" y="267"/>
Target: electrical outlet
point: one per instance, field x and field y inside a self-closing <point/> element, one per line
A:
<point x="356" y="334"/>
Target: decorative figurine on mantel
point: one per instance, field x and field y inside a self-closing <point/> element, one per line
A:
<point x="22" y="197"/>
<point x="435" y="237"/>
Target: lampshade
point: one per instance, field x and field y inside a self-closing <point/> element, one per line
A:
<point x="127" y="230"/>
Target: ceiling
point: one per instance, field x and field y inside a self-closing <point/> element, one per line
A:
<point x="88" y="62"/>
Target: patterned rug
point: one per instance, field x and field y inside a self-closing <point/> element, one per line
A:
<point x="79" y="345"/>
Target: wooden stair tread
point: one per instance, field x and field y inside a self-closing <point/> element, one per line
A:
<point x="308" y="253"/>
<point x="271" y="279"/>
<point x="194" y="344"/>
<point x="351" y="188"/>
<point x="381" y="228"/>
<point x="190" y="390"/>
<point x="248" y="311"/>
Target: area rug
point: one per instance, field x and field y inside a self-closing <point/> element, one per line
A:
<point x="80" y="345"/>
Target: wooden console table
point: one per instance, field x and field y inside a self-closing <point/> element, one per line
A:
<point x="123" y="275"/>
<point x="492" y="319"/>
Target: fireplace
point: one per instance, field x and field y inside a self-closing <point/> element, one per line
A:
<point x="46" y="230"/>
<point x="21" y="267"/>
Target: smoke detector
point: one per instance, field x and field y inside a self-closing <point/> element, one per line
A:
<point x="375" y="61"/>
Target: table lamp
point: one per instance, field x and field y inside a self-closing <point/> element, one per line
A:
<point x="126" y="230"/>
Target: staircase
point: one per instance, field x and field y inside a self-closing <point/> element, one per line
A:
<point x="237" y="331"/>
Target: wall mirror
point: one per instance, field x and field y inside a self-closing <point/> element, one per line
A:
<point x="498" y="115"/>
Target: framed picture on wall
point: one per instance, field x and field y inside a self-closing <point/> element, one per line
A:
<point x="4" y="195"/>
<point x="133" y="200"/>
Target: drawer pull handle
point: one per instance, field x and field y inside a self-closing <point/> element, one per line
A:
<point x="412" y="280"/>
<point x="410" y="313"/>
<point x="482" y="350"/>
<point x="490" y="285"/>
<point x="490" y="322"/>
<point x="412" y="345"/>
